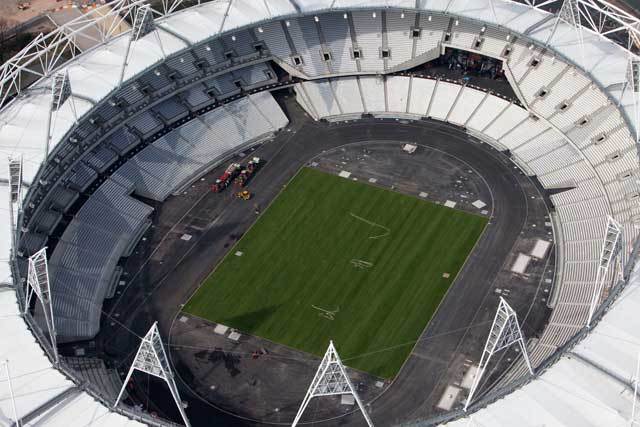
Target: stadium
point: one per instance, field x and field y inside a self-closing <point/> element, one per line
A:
<point x="323" y="212"/>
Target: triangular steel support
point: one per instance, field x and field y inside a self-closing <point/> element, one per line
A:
<point x="152" y="360"/>
<point x="15" y="201"/>
<point x="505" y="331"/>
<point x="38" y="285"/>
<point x="60" y="93"/>
<point x="15" y="179"/>
<point x="633" y="84"/>
<point x="331" y="380"/>
<point x="610" y="250"/>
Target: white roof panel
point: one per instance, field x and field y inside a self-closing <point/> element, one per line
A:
<point x="87" y="84"/>
<point x="81" y="410"/>
<point x="194" y="24"/>
<point x="25" y="134"/>
<point x="145" y="52"/>
<point x="34" y="379"/>
<point x="245" y="12"/>
<point x="280" y="7"/>
<point x="313" y="5"/>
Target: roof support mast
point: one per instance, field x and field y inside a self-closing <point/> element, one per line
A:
<point x="633" y="84"/>
<point x="15" y="202"/>
<point x="38" y="284"/>
<point x="60" y="93"/>
<point x="152" y="359"/>
<point x="610" y="250"/>
<point x="505" y="331"/>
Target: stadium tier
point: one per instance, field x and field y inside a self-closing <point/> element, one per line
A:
<point x="143" y="114"/>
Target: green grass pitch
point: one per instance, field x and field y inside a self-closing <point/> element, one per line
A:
<point x="336" y="259"/>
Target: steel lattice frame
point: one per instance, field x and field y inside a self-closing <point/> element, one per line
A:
<point x="15" y="200"/>
<point x="152" y="360"/>
<point x="331" y="380"/>
<point x="505" y="331"/>
<point x="609" y="251"/>
<point x="38" y="285"/>
<point x="46" y="53"/>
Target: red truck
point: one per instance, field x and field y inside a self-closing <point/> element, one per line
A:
<point x="225" y="179"/>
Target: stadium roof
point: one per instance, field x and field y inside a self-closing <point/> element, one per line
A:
<point x="559" y="397"/>
<point x="591" y="385"/>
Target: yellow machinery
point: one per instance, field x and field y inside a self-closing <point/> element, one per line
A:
<point x="244" y="195"/>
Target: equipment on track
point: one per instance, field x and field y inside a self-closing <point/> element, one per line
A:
<point x="247" y="172"/>
<point x="244" y="195"/>
<point x="225" y="179"/>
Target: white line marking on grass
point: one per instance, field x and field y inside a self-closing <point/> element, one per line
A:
<point x="327" y="314"/>
<point x="361" y="264"/>
<point x="373" y="224"/>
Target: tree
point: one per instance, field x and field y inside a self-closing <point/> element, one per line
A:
<point x="6" y="34"/>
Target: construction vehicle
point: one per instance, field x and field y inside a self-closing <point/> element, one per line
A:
<point x="245" y="174"/>
<point x="244" y="195"/>
<point x="225" y="179"/>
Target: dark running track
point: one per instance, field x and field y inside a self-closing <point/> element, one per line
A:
<point x="165" y="270"/>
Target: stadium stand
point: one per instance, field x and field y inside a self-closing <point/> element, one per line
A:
<point x="187" y="152"/>
<point x="532" y="141"/>
<point x="82" y="267"/>
<point x="96" y="374"/>
<point x="368" y="35"/>
<point x="337" y="36"/>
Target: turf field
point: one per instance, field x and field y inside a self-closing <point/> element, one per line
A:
<point x="336" y="259"/>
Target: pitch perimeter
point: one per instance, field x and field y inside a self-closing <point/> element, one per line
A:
<point x="337" y="259"/>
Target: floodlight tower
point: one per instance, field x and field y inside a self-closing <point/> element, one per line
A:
<point x="60" y="93"/>
<point x="152" y="360"/>
<point x="505" y="331"/>
<point x="143" y="24"/>
<point x="331" y="380"/>
<point x="15" y="202"/>
<point x="633" y="83"/>
<point x="38" y="285"/>
<point x="610" y="250"/>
